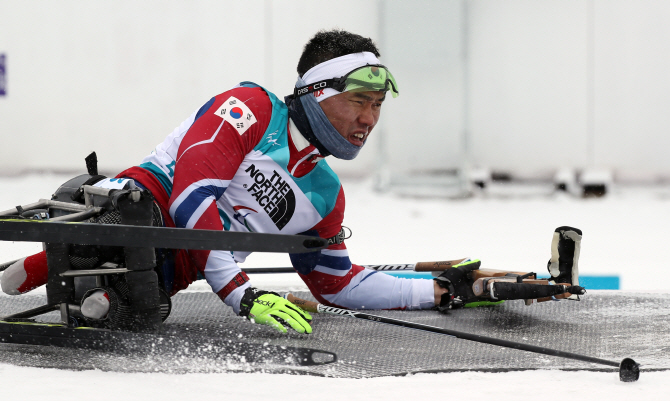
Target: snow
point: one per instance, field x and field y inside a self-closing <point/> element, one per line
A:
<point x="33" y="384"/>
<point x="625" y="234"/>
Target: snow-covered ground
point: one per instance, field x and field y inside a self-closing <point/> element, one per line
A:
<point x="625" y="234"/>
<point x="41" y="384"/>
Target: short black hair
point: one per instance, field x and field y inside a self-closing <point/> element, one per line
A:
<point x="326" y="45"/>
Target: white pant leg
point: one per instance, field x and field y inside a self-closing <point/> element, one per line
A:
<point x="370" y="289"/>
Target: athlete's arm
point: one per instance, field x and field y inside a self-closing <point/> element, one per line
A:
<point x="334" y="280"/>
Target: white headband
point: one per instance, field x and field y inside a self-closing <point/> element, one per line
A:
<point x="336" y="68"/>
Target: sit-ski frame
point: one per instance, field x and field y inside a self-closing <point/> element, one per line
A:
<point x="136" y="209"/>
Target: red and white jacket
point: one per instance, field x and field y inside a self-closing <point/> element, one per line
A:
<point x="240" y="164"/>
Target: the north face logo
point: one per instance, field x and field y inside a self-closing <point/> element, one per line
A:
<point x="273" y="194"/>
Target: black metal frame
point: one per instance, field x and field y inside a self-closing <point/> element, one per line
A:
<point x="136" y="208"/>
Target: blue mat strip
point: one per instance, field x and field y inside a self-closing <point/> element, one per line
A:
<point x="588" y="282"/>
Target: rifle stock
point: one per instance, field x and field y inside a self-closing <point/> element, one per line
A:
<point x="309" y="306"/>
<point x="436" y="266"/>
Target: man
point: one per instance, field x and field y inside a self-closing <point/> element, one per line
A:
<point x="246" y="161"/>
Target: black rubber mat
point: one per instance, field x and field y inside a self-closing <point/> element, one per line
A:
<point x="606" y="325"/>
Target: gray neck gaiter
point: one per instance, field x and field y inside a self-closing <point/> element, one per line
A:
<point x="324" y="130"/>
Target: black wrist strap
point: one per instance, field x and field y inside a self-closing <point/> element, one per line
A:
<point x="340" y="237"/>
<point x="249" y="297"/>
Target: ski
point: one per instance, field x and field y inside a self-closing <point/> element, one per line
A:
<point x="154" y="237"/>
<point x="169" y="342"/>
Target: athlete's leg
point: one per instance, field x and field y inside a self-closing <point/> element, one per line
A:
<point x="25" y="274"/>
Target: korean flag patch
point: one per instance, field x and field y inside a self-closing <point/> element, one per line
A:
<point x="237" y="114"/>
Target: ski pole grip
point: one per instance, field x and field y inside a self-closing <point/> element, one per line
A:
<point x="309" y="306"/>
<point x="436" y="266"/>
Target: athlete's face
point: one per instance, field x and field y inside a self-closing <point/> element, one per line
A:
<point x="354" y="114"/>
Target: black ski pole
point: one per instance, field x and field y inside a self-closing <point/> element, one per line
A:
<point x="629" y="370"/>
<point x="417" y="267"/>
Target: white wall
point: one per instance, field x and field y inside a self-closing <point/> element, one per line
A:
<point x="117" y="77"/>
<point x="423" y="47"/>
<point x="537" y="85"/>
<point x="570" y="83"/>
<point x="632" y="86"/>
<point x="528" y="79"/>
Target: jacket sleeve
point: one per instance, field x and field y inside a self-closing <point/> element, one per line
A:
<point x="335" y="281"/>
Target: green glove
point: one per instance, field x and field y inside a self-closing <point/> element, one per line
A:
<point x="265" y="307"/>
<point x="458" y="281"/>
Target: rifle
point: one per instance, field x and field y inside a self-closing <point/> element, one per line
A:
<point x="487" y="284"/>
